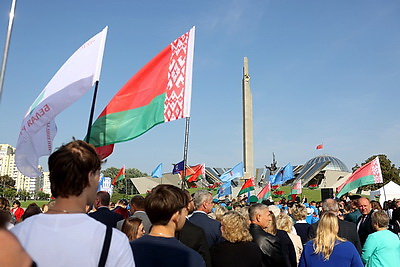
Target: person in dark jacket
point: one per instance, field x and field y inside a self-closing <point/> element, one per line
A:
<point x="237" y="243"/>
<point x="103" y="214"/>
<point x="364" y="223"/>
<point x="260" y="219"/>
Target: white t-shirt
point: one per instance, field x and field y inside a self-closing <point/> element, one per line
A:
<point x="71" y="240"/>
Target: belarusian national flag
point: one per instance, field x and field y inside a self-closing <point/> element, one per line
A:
<point x="313" y="186"/>
<point x="370" y="173"/>
<point x="194" y="173"/>
<point x="120" y="176"/>
<point x="158" y="93"/>
<point x="78" y="74"/>
<point x="297" y="188"/>
<point x="247" y="186"/>
<point x="264" y="193"/>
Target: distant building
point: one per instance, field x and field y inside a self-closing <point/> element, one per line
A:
<point x="8" y="167"/>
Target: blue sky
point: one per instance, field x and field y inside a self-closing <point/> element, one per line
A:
<point x="321" y="71"/>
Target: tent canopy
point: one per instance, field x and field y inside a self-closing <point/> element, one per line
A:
<point x="387" y="192"/>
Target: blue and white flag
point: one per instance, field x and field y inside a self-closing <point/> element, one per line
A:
<point x="284" y="174"/>
<point x="235" y="172"/>
<point x="157" y="173"/>
<point x="225" y="189"/>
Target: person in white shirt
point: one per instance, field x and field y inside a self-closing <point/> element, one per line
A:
<point x="66" y="235"/>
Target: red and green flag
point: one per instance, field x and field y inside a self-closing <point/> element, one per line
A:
<point x="247" y="186"/>
<point x="159" y="92"/>
<point x="194" y="173"/>
<point x="297" y="188"/>
<point x="313" y="186"/>
<point x="264" y="193"/>
<point x="120" y="176"/>
<point x="370" y="173"/>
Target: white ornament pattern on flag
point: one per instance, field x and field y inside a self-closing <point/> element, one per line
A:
<point x="174" y="100"/>
<point x="376" y="171"/>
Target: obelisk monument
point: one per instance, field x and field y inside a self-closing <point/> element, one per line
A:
<point x="248" y="154"/>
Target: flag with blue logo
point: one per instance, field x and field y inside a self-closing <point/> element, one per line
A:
<point x="157" y="173"/>
<point x="235" y="172"/>
<point x="283" y="175"/>
<point x="225" y="189"/>
<point x="178" y="167"/>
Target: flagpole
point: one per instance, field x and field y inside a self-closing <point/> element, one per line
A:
<point x="92" y="111"/>
<point x="6" y="46"/>
<point x="185" y="149"/>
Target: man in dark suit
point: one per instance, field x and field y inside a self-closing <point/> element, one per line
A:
<point x="347" y="230"/>
<point x="364" y="223"/>
<point x="103" y="213"/>
<point x="203" y="205"/>
<point x="194" y="236"/>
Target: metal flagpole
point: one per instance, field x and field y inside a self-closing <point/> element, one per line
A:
<point x="185" y="152"/>
<point x="92" y="111"/>
<point x="6" y="46"/>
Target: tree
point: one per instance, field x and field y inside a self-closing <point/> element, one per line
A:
<point x="9" y="193"/>
<point x="389" y="172"/>
<point x="24" y="195"/>
<point x="124" y="186"/>
<point x="42" y="195"/>
<point x="6" y="181"/>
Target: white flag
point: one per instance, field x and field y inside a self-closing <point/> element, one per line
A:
<point x="78" y="74"/>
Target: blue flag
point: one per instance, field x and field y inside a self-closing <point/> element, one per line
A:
<point x="233" y="173"/>
<point x="282" y="176"/>
<point x="178" y="167"/>
<point x="157" y="173"/>
<point x="225" y="189"/>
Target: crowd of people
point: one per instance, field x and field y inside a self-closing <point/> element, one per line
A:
<point x="171" y="227"/>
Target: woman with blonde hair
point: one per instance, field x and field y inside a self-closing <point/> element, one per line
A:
<point x="285" y="223"/>
<point x="133" y="228"/>
<point x="235" y="230"/>
<point x="327" y="248"/>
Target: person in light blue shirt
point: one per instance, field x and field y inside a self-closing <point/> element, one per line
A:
<point x="381" y="248"/>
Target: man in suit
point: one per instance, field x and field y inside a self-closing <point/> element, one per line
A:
<point x="364" y="223"/>
<point x="194" y="236"/>
<point x="137" y="211"/>
<point x="203" y="204"/>
<point x="347" y="230"/>
<point x="103" y="214"/>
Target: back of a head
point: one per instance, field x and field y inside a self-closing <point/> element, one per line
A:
<point x="284" y="222"/>
<point x="104" y="198"/>
<point x="163" y="201"/>
<point x="235" y="227"/>
<point x="380" y="219"/>
<point x="31" y="210"/>
<point x="299" y="212"/>
<point x="138" y="202"/>
<point x="69" y="167"/>
<point x="130" y="227"/>
<point x="326" y="236"/>
<point x="200" y="196"/>
<point x="330" y="205"/>
<point x="4" y="204"/>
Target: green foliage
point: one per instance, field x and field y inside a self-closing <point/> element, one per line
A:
<point x="10" y="193"/>
<point x="6" y="181"/>
<point x="42" y="195"/>
<point x="23" y="195"/>
<point x="389" y="172"/>
<point x="124" y="186"/>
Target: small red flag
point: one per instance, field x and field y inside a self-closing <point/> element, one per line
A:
<point x="120" y="176"/>
<point x="321" y="146"/>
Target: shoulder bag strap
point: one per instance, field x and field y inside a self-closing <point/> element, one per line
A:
<point x="106" y="247"/>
